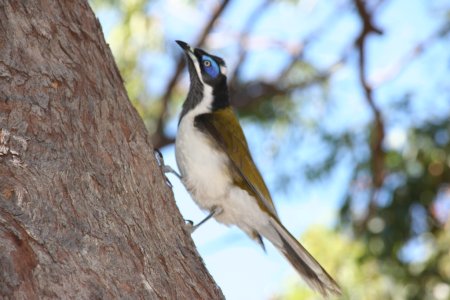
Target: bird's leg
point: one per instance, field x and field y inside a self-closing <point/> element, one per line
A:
<point x="214" y="211"/>
<point x="164" y="168"/>
<point x="168" y="169"/>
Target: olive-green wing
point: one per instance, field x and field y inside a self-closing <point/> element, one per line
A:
<point x="224" y="131"/>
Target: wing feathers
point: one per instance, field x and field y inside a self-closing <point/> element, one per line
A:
<point x="223" y="129"/>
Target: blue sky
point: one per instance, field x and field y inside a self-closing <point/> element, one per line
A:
<point x="239" y="265"/>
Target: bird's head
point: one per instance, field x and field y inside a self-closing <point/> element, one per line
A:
<point x="208" y="68"/>
<point x="208" y="78"/>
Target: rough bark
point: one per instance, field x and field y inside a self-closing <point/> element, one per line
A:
<point x="84" y="209"/>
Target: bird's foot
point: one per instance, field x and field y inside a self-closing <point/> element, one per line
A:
<point x="215" y="210"/>
<point x="163" y="167"/>
<point x="169" y="169"/>
<point x="189" y="225"/>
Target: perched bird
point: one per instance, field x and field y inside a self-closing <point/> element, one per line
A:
<point x="218" y="170"/>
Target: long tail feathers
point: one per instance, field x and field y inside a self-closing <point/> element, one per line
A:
<point x="310" y="270"/>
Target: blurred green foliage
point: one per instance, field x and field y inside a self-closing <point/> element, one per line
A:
<point x="135" y="35"/>
<point x="409" y="214"/>
<point x="402" y="250"/>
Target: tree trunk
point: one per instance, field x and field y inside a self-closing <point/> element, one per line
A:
<point x="84" y="209"/>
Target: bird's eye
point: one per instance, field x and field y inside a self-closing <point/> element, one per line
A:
<point x="210" y="66"/>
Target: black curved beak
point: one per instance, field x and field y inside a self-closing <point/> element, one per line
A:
<point x="188" y="50"/>
<point x="190" y="56"/>
<point x="185" y="46"/>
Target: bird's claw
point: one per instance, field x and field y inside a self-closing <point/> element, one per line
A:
<point x="165" y="168"/>
<point x="189" y="225"/>
<point x="215" y="210"/>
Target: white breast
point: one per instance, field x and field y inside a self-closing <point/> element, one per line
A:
<point x="202" y="167"/>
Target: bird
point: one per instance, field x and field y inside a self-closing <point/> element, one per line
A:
<point x="218" y="170"/>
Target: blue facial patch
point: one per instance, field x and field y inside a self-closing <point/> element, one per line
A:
<point x="210" y="66"/>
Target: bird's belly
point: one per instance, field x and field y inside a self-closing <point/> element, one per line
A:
<point x="203" y="169"/>
<point x="241" y="209"/>
<point x="206" y="176"/>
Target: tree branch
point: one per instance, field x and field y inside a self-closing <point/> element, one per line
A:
<point x="378" y="133"/>
<point x="252" y="92"/>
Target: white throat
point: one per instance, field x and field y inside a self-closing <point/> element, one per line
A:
<point x="205" y="105"/>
